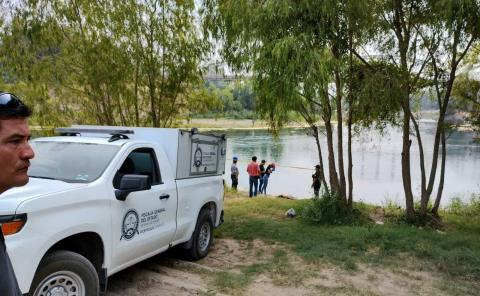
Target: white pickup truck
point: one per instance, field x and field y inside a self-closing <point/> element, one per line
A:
<point x="101" y="199"/>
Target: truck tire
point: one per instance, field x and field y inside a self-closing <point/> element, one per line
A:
<point x="202" y="237"/>
<point x="65" y="273"/>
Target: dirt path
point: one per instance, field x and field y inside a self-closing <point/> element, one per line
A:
<point x="255" y="268"/>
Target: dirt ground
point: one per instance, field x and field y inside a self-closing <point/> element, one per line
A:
<point x="255" y="268"/>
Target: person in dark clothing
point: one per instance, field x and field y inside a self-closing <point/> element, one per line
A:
<point x="262" y="174"/>
<point x="15" y="155"/>
<point x="318" y="181"/>
<point x="270" y="168"/>
<point x="234" y="173"/>
<point x="315" y="185"/>
<point x="8" y="281"/>
<point x="317" y="172"/>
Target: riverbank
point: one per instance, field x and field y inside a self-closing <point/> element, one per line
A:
<point x="207" y="124"/>
<point x="247" y="124"/>
<point x="260" y="251"/>
<point x="224" y="123"/>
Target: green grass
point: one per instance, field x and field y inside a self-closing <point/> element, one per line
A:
<point x="459" y="288"/>
<point x="454" y="252"/>
<point x="227" y="281"/>
<point x="279" y="269"/>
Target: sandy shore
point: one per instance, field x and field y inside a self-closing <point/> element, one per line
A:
<point x="222" y="272"/>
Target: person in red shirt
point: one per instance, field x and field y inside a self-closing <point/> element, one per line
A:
<point x="254" y="172"/>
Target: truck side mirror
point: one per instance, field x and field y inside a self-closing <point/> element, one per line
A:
<point x="132" y="183"/>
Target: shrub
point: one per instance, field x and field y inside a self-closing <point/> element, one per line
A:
<point x="327" y="209"/>
<point x="461" y="208"/>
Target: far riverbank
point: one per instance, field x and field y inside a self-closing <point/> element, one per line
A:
<point x="224" y="123"/>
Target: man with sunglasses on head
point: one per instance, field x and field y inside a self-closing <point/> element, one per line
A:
<point x="15" y="155"/>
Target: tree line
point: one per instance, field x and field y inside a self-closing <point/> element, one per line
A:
<point x="366" y="62"/>
<point x="104" y="62"/>
<point x="336" y="64"/>
<point x="236" y="99"/>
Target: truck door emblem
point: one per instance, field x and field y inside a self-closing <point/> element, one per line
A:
<point x="197" y="158"/>
<point x="130" y="225"/>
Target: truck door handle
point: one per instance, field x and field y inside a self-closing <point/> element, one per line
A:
<point x="164" y="196"/>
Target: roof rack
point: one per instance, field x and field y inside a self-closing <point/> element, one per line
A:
<point x="116" y="134"/>
<point x="116" y="137"/>
<point x="77" y="131"/>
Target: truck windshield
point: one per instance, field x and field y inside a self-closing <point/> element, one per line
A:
<point x="70" y="162"/>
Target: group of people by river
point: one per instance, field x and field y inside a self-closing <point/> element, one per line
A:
<point x="258" y="175"/>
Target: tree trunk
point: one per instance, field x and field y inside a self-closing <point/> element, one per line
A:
<point x="118" y="101"/>
<point x="341" y="169"/>
<point x="442" y="176"/>
<point x="439" y="135"/>
<point x="155" y="119"/>
<point x="406" y="177"/>
<point x="350" y="164"/>
<point x="403" y="39"/>
<point x="424" y="195"/>
<point x="137" y="117"/>
<point x="440" y="131"/>
<point x="443" y="108"/>
<point x="332" y="170"/>
<point x="350" y="99"/>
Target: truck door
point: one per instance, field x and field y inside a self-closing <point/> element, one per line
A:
<point x="146" y="221"/>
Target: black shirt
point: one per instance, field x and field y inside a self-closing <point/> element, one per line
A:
<point x="316" y="184"/>
<point x="8" y="281"/>
<point x="262" y="170"/>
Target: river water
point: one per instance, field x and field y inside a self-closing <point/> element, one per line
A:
<point x="376" y="162"/>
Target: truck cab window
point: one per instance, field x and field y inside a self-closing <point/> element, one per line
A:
<point x="140" y="162"/>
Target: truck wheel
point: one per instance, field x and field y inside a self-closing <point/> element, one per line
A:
<point x="65" y="273"/>
<point x="202" y="236"/>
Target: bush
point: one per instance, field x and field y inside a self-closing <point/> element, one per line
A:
<point x="328" y="209"/>
<point x="461" y="208"/>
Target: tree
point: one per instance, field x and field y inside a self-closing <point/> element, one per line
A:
<point x="26" y="67"/>
<point x="466" y="94"/>
<point x="466" y="88"/>
<point x="298" y="53"/>
<point x="260" y="41"/>
<point x="128" y="62"/>
<point x="426" y="41"/>
<point x="243" y="93"/>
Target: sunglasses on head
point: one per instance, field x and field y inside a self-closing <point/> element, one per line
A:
<point x="8" y="100"/>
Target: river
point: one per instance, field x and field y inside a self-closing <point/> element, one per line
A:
<point x="376" y="162"/>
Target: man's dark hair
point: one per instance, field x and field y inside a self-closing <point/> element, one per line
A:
<point x="12" y="107"/>
<point x="254" y="158"/>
